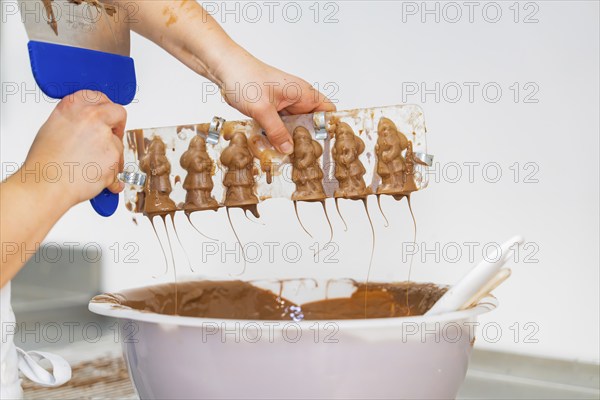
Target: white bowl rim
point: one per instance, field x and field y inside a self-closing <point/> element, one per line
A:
<point x="487" y="304"/>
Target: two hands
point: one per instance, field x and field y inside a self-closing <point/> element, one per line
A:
<point x="84" y="134"/>
<point x="82" y="140"/>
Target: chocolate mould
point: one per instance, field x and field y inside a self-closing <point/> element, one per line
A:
<point x="273" y="170"/>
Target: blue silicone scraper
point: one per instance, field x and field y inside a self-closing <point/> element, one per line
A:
<point x="76" y="45"/>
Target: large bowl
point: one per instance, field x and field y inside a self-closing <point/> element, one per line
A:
<point x="173" y="357"/>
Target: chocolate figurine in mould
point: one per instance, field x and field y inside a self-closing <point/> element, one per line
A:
<point x="158" y="185"/>
<point x="306" y="172"/>
<point x="239" y="179"/>
<point x="198" y="182"/>
<point x="349" y="170"/>
<point x="269" y="158"/>
<point x="390" y="163"/>
<point x="409" y="172"/>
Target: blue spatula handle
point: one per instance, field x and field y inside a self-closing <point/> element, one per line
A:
<point x="63" y="70"/>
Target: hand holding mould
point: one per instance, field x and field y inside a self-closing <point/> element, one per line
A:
<point x="188" y="32"/>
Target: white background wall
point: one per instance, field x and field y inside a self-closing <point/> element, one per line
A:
<point x="371" y="56"/>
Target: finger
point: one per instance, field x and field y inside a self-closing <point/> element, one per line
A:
<point x="91" y="97"/>
<point x="114" y="116"/>
<point x="311" y="101"/>
<point x="276" y="131"/>
<point x="120" y="148"/>
<point x="325" y="105"/>
<point x="322" y="102"/>
<point x="76" y="102"/>
<point x="117" y="187"/>
<point x="118" y="144"/>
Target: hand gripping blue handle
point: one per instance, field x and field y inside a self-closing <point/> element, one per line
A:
<point x="62" y="70"/>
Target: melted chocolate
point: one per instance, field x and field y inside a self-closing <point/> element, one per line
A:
<point x="51" y="17"/>
<point x="242" y="300"/>
<point x="260" y="148"/>
<point x="110" y="10"/>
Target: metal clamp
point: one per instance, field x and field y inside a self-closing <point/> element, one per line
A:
<point x="135" y="179"/>
<point x="427" y="159"/>
<point x="320" y="125"/>
<point x="214" y="130"/>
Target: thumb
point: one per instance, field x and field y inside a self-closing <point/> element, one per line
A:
<point x="277" y="133"/>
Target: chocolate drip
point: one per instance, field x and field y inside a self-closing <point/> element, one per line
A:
<point x="414" y="242"/>
<point x="238" y="240"/>
<point x="162" y="248"/>
<point x="180" y="244"/>
<point x="51" y="17"/>
<point x="372" y="253"/>
<point x="387" y="222"/>
<point x="261" y="149"/>
<point x="197" y="230"/>
<point x="109" y="8"/>
<point x="328" y="223"/>
<point x="337" y="207"/>
<point x="298" y="218"/>
<point x="138" y="144"/>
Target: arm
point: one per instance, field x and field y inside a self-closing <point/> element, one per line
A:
<point x="185" y="30"/>
<point x="77" y="133"/>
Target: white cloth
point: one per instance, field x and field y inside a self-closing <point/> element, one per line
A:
<point x="14" y="359"/>
<point x="10" y="384"/>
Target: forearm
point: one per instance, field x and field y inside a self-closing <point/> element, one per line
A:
<point x="29" y="207"/>
<point x="189" y="33"/>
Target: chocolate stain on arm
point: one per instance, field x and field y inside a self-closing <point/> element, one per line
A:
<point x="172" y="17"/>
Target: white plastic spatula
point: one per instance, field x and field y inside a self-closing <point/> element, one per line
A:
<point x="478" y="282"/>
